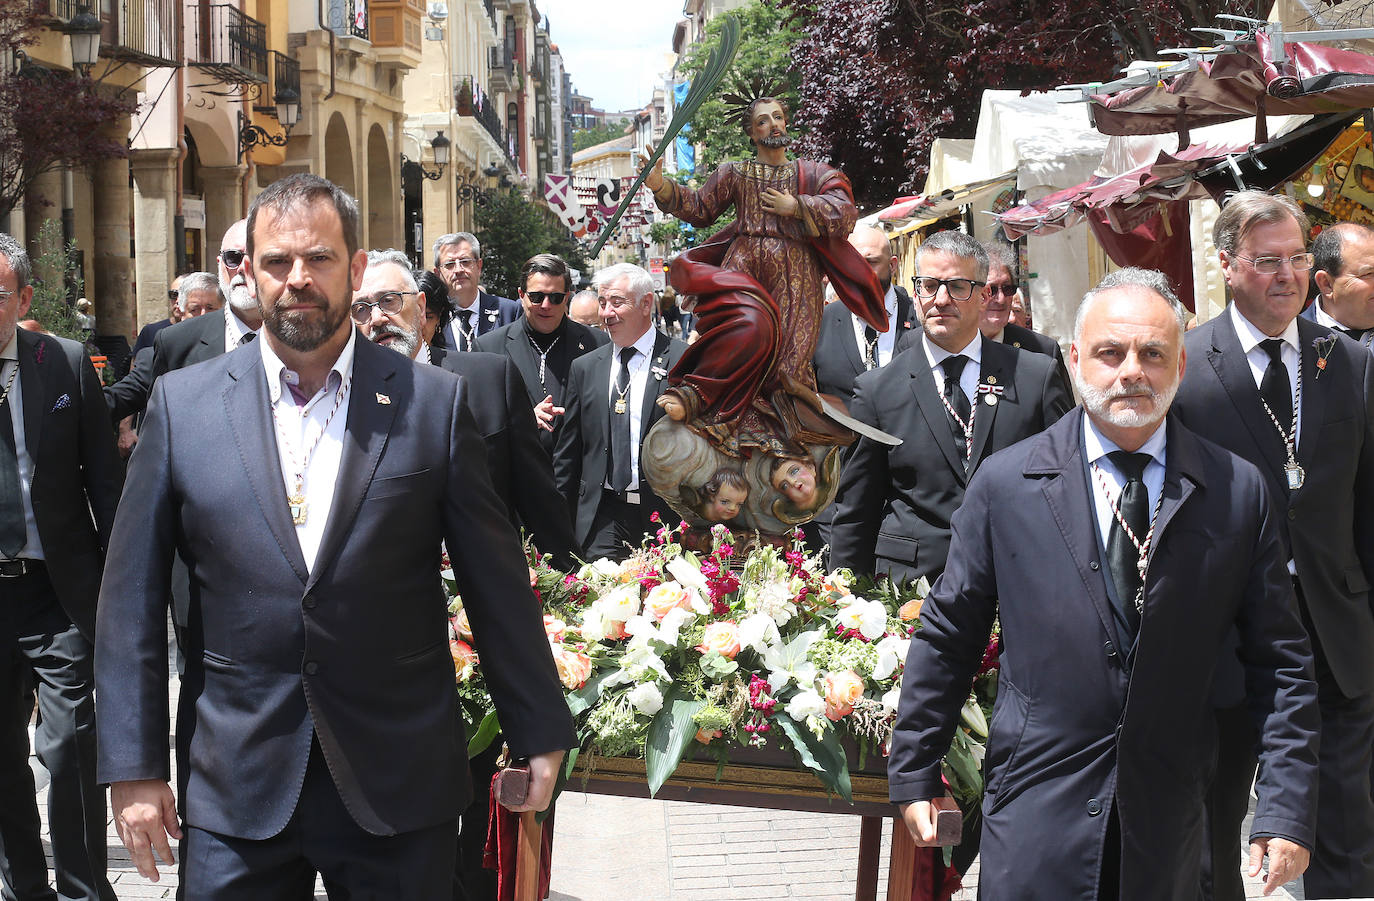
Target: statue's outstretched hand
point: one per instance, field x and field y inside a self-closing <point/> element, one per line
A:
<point x="654" y="180"/>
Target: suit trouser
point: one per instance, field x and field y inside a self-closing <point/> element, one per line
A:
<point x="322" y="837"/>
<point x="618" y="526"/>
<point x="45" y="652"/>
<point x="1227" y="802"/>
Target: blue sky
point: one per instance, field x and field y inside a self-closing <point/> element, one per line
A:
<point x="613" y="49"/>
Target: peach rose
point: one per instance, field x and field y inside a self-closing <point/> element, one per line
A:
<point x="665" y="597"/>
<point x="574" y="668"/>
<point x="706" y="737"/>
<point x="464" y="658"/>
<point x="615" y="630"/>
<point x="461" y="626"/>
<point x="554" y="627"/>
<point x="721" y="637"/>
<point x="842" y="691"/>
<point x="910" y="610"/>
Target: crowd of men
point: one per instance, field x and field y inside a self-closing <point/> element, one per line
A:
<point x="1183" y="599"/>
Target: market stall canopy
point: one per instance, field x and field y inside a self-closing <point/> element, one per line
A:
<point x="1256" y="71"/>
<point x="921" y="209"/>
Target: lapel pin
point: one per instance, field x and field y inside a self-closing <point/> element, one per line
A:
<point x="991" y="391"/>
<point x="990" y="399"/>
<point x="491" y="315"/>
<point x="659" y="372"/>
<point x="383" y="399"/>
<point x="992" y="380"/>
<point x="1324" y="346"/>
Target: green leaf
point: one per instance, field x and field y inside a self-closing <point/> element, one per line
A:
<point x="824" y="756"/>
<point x="670" y="735"/>
<point x="484" y="733"/>
<point x="588" y="694"/>
<point x="960" y="760"/>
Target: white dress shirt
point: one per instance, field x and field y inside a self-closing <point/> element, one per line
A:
<point x="639" y="377"/>
<point x="9" y="360"/>
<point x="455" y="322"/>
<point x="968" y="377"/>
<point x="1096" y="447"/>
<point x="298" y="427"/>
<point x="1250" y="338"/>
<point x="422" y="355"/>
<point x="234" y="329"/>
<point x="886" y="340"/>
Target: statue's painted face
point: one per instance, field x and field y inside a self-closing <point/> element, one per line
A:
<point x="768" y="125"/>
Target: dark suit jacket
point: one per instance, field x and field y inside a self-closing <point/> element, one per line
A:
<point x="1022" y="339"/>
<point x="579" y="460"/>
<point x="513" y="341"/>
<point x="148" y="333"/>
<point x="839" y="359"/>
<point x="1328" y="524"/>
<point x="77" y="473"/>
<point x="492" y="313"/>
<point x="188" y="342"/>
<point x="894" y="504"/>
<point x="1366" y="341"/>
<point x="354" y="651"/>
<point x="521" y="472"/>
<point x="1075" y="729"/>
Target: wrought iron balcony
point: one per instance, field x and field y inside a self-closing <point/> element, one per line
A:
<point x="502" y="70"/>
<point x="229" y="45"/>
<point x="146" y="32"/>
<point x="286" y="75"/>
<point x="348" y="18"/>
<point x="470" y="100"/>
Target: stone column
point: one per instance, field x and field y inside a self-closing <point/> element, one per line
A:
<point x="155" y="205"/>
<point x="223" y="204"/>
<point x="112" y="289"/>
<point x="42" y="201"/>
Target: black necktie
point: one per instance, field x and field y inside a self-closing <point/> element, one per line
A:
<point x="870" y="347"/>
<point x="1123" y="556"/>
<point x="958" y="402"/>
<point x="465" y="330"/>
<point x="247" y="338"/>
<point x="1274" y="386"/>
<point x="12" y="532"/>
<point x="1355" y="334"/>
<point x="620" y="423"/>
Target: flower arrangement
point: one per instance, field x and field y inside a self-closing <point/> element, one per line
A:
<point x="671" y="651"/>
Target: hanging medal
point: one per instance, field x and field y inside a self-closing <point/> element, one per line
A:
<point x="1293" y="473"/>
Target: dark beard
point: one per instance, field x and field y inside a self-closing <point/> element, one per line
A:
<point x="302" y="331"/>
<point x="779" y="141"/>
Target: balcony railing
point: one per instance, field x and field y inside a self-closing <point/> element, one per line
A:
<point x="229" y="45"/>
<point x="286" y="74"/>
<point x="61" y="9"/>
<point x="475" y="102"/>
<point x="502" y="70"/>
<point x="348" y="19"/>
<point x="146" y="32"/>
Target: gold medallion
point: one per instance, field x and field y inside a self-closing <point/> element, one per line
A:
<point x="296" y="503"/>
<point x="620" y="405"/>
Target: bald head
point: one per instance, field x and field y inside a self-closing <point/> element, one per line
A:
<point x="1343" y="273"/>
<point x="584" y="309"/>
<point x="873" y="245"/>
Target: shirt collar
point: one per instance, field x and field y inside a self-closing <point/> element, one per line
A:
<point x="422" y="355"/>
<point x="11" y="351"/>
<point x="644" y="343"/>
<point x="1250" y="337"/>
<point x="237" y="326"/>
<point x="935" y="354"/>
<point x="475" y="306"/>
<point x="889" y="304"/>
<point x="278" y="375"/>
<point x="1097" y="445"/>
<point x="1322" y="317"/>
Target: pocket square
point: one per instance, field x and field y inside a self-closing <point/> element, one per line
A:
<point x="62" y="403"/>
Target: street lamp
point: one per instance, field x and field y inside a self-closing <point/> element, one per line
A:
<point x="288" y="108"/>
<point x="84" y="30"/>
<point x="441" y="146"/>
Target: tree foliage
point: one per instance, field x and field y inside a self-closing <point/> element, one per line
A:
<point x="511" y="229"/>
<point x="881" y="80"/>
<point x="767" y="36"/>
<point x="54" y="273"/>
<point x="583" y="138"/>
<point x="50" y="118"/>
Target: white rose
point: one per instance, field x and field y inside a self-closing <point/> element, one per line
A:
<point x="805" y="703"/>
<point x="891" y="653"/>
<point x="646" y="698"/>
<point x="758" y="631"/>
<point x="868" y="618"/>
<point x="622" y="604"/>
<point x="890" y="699"/>
<point x="593" y="624"/>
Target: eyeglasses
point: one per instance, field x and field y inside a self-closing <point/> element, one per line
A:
<point x="553" y="297"/>
<point x="464" y="262"/>
<point x="956" y="288"/>
<point x="232" y="259"/>
<point x="1004" y="290"/>
<point x="172" y="294"/>
<point x="5" y="296"/>
<point x="389" y="301"/>
<point x="1300" y="262"/>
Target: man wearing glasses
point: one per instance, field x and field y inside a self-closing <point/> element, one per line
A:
<point x="996" y="325"/>
<point x="544" y="342"/>
<point x="199" y="339"/>
<point x="458" y="261"/>
<point x="1294" y="398"/>
<point x="972" y="397"/>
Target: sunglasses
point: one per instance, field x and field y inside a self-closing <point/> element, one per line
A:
<point x="1004" y="290"/>
<point x="172" y="294"/>
<point x="232" y="259"/>
<point x="553" y="297"/>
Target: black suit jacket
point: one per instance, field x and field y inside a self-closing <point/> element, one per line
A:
<point x="1023" y="338"/>
<point x="184" y="344"/>
<point x="148" y="333"/>
<point x="1328" y="523"/>
<point x="1076" y="734"/>
<point x="579" y="460"/>
<point x="77" y="474"/>
<point x="492" y="313"/>
<point x="839" y="359"/>
<point x="513" y="341"/>
<point x="521" y="471"/>
<point x="894" y="504"/>
<point x="354" y="650"/>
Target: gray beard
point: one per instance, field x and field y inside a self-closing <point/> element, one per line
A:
<point x="240" y="298"/>
<point x="406" y="342"/>
<point x="1097" y="403"/>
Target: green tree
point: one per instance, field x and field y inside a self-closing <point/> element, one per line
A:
<point x="765" y="53"/>
<point x="511" y="230"/>
<point x="53" y="274"/>
<point x="583" y="138"/>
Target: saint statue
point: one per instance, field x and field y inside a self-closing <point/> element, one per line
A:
<point x="747" y="385"/>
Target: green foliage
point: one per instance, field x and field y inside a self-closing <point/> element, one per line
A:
<point x="765" y="51"/>
<point x="667" y="232"/>
<point x="511" y="230"/>
<point x="53" y="271"/>
<point x="583" y="138"/>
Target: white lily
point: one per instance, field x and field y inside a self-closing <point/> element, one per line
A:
<point x="687" y="573"/>
<point x="758" y="631"/>
<point x="786" y="662"/>
<point x="869" y="618"/>
<point x="806" y="703"/>
<point x="891" y="653"/>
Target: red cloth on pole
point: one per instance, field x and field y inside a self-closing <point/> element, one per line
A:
<point x="502" y="849"/>
<point x="1151" y="245"/>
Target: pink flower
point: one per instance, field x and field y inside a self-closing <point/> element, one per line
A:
<point x="842" y="691"/>
<point x="464" y="659"/>
<point x="666" y="597"/>
<point x="554" y="627"/>
<point x="721" y="637"/>
<point x="573" y="667"/>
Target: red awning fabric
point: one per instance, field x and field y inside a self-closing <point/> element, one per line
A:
<point x="939" y="204"/>
<point x="1242" y="80"/>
